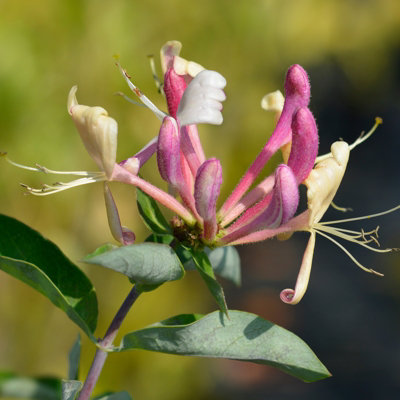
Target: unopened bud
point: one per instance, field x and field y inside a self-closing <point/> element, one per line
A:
<point x="304" y="148"/>
<point x="297" y="86"/>
<point x="206" y="191"/>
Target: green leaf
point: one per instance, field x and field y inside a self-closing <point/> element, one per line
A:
<point x="146" y="264"/>
<point x="114" y="396"/>
<point x="151" y="214"/>
<point x="74" y="359"/>
<point x="102" y="249"/>
<point x="243" y="337"/>
<point x="36" y="261"/>
<point x="12" y="385"/>
<point x="206" y="271"/>
<point x="70" y="388"/>
<point x="163" y="239"/>
<point x="225" y="262"/>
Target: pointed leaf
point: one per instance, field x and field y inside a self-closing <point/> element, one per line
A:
<point x="203" y="265"/>
<point x="151" y="214"/>
<point x="12" y="385"/>
<point x="114" y="396"/>
<point x="144" y="263"/>
<point x="74" y="359"/>
<point x="70" y="389"/>
<point x="36" y="261"/>
<point x="243" y="337"/>
<point x="225" y="262"/>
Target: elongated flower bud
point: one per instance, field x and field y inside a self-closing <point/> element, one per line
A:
<point x="304" y="147"/>
<point x="168" y="152"/>
<point x="174" y="86"/>
<point x="206" y="191"/>
<point x="297" y="86"/>
<point x="98" y="132"/>
<point x="201" y="101"/>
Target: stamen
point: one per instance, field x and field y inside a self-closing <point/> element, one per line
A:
<point x="61" y="186"/>
<point x="144" y="99"/>
<point x="157" y="80"/>
<point x="370" y="270"/>
<point x="342" y="209"/>
<point x="136" y="103"/>
<point x="354" y="239"/>
<point x="45" y="170"/>
<point x="361" y="218"/>
<point x="362" y="138"/>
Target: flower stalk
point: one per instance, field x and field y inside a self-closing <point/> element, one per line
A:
<point x="104" y="344"/>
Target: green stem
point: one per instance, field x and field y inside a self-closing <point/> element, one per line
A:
<point x="101" y="355"/>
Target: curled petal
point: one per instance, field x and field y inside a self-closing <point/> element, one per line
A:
<point x="174" y="86"/>
<point x="206" y="191"/>
<point x="201" y="101"/>
<point x="120" y="233"/>
<point x="291" y="296"/>
<point x="324" y="180"/>
<point x="304" y="147"/>
<point x="98" y="132"/>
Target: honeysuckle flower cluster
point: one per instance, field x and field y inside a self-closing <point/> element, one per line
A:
<point x="252" y="213"/>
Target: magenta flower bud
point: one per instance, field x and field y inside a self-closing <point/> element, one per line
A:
<point x="206" y="191"/>
<point x="174" y="86"/>
<point x="285" y="199"/>
<point x="168" y="152"/>
<point x="279" y="207"/>
<point x="297" y="94"/>
<point x="304" y="148"/>
<point x="297" y="86"/>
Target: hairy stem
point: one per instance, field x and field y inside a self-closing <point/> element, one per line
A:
<point x="101" y="355"/>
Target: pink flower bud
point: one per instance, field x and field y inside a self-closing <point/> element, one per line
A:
<point x="304" y="148"/>
<point x="297" y="86"/>
<point x="285" y="198"/>
<point x="206" y="191"/>
<point x="168" y="152"/>
<point x="174" y="86"/>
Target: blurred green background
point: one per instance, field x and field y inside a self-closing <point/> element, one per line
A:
<point x="351" y="49"/>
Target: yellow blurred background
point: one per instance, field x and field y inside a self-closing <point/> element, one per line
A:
<point x="351" y="49"/>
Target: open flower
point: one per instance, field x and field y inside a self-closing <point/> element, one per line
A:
<point x="251" y="213"/>
<point x="322" y="184"/>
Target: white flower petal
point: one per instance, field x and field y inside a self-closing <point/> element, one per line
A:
<point x="200" y="102"/>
